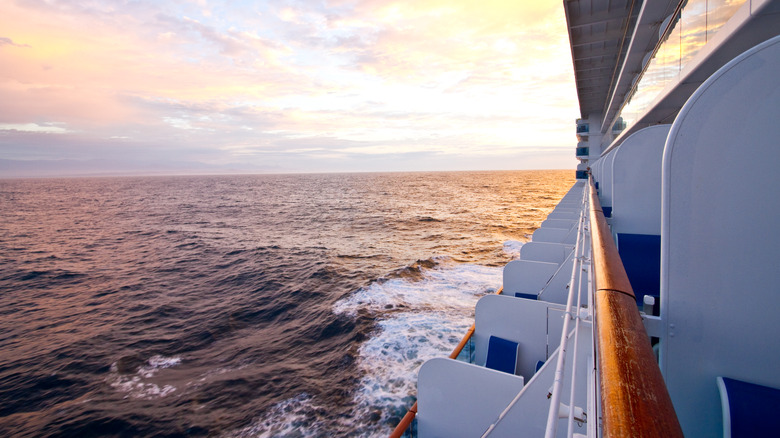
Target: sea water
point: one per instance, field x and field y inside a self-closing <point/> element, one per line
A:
<point x="237" y="306"/>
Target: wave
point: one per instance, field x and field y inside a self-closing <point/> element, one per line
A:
<point x="46" y="276"/>
<point x="133" y="377"/>
<point x="421" y="311"/>
<point x="512" y="248"/>
<point x="400" y="337"/>
<point x="416" y="271"/>
<point x="361" y="256"/>
<point x="433" y="284"/>
<point x="299" y="416"/>
<point x="418" y="316"/>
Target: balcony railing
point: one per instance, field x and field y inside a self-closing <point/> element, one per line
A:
<point x="634" y="398"/>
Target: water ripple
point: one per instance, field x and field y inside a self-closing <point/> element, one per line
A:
<point x="271" y="305"/>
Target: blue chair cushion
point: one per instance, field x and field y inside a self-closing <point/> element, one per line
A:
<point x="641" y="255"/>
<point x="501" y="355"/>
<point x="749" y="410"/>
<point x="526" y="296"/>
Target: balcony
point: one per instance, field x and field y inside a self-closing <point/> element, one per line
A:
<point x="583" y="129"/>
<point x="619" y="126"/>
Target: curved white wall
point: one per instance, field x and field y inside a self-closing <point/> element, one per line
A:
<point x="636" y="187"/>
<point x="720" y="280"/>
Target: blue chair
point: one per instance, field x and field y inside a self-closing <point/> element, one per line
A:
<point x="641" y="255"/>
<point x="749" y="410"/>
<point x="502" y="355"/>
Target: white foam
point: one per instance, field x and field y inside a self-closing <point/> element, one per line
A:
<point x="157" y="363"/>
<point x="134" y="387"/>
<point x="137" y="385"/>
<point x="512" y="248"/>
<point x="389" y="360"/>
<point x="453" y="288"/>
<point x="416" y="321"/>
<point x="298" y="417"/>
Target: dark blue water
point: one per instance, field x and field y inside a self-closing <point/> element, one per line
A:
<point x="273" y="305"/>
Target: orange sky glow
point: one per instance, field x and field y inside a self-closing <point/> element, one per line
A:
<point x="288" y="86"/>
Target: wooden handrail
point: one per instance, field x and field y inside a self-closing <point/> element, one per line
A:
<point x="405" y="422"/>
<point x="412" y="412"/>
<point x="463" y="342"/>
<point x="634" y="398"/>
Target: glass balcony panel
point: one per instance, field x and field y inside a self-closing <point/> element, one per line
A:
<point x="468" y="354"/>
<point x="718" y="13"/>
<point x="697" y="22"/>
<point x="669" y="54"/>
<point x="651" y="83"/>
<point x="693" y="30"/>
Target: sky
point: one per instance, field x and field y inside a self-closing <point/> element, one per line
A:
<point x="285" y="86"/>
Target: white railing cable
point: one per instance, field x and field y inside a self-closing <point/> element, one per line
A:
<point x="576" y="356"/>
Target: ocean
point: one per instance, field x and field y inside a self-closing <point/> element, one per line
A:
<point x="244" y="306"/>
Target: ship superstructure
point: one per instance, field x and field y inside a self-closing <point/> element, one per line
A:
<point x="646" y="304"/>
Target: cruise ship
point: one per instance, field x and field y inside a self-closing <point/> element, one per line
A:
<point x="648" y="302"/>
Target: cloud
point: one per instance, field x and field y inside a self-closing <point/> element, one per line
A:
<point x="9" y="42"/>
<point x="337" y="79"/>
<point x="229" y="43"/>
<point x="47" y="128"/>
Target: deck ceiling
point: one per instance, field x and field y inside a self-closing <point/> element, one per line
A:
<point x="599" y="33"/>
